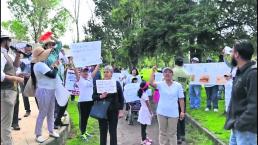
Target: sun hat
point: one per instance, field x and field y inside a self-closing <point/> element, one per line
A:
<point x="167" y="68"/>
<point x="6" y="34"/>
<point x="40" y="54"/>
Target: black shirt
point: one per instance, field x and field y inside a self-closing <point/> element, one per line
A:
<point x="243" y="104"/>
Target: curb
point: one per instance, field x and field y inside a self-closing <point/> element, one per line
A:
<point x="210" y="135"/>
<point x="63" y="132"/>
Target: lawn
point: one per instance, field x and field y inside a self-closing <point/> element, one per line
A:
<point x="93" y="127"/>
<point x="213" y="121"/>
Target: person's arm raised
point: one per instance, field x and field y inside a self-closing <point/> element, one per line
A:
<point x="152" y="81"/>
<point x="96" y="69"/>
<point x="75" y="70"/>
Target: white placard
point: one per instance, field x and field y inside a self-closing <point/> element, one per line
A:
<point x="159" y="77"/>
<point x="61" y="93"/>
<point x="86" y="53"/>
<point x="108" y="86"/>
<point x="214" y="71"/>
<point x="118" y="77"/>
<point x="70" y="82"/>
<point x="130" y="92"/>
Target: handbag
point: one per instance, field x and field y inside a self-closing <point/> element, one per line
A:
<point x="29" y="89"/>
<point x="99" y="109"/>
<point x="156" y="96"/>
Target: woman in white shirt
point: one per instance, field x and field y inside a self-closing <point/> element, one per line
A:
<point x="167" y="110"/>
<point x="134" y="74"/>
<point x="85" y="102"/>
<point x="43" y="80"/>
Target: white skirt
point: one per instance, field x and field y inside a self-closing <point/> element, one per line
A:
<point x="144" y="117"/>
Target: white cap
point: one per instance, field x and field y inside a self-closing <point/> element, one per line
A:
<point x="6" y="34"/>
<point x="227" y="50"/>
<point x="195" y="59"/>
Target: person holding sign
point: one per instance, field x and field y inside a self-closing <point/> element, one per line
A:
<point x="167" y="110"/>
<point x="85" y="102"/>
<point x="115" y="109"/>
<point x="134" y="73"/>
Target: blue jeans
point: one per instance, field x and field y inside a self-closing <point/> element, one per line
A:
<point x="195" y="96"/>
<point x="212" y="97"/>
<point x="242" y="138"/>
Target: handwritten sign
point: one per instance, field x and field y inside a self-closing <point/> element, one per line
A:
<point x="208" y="73"/>
<point x="108" y="86"/>
<point x="159" y="77"/>
<point x="86" y="53"/>
<point x="70" y="82"/>
<point x="130" y="92"/>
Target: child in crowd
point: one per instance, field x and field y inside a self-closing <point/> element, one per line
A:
<point x="85" y="102"/>
<point x="145" y="113"/>
<point x="228" y="89"/>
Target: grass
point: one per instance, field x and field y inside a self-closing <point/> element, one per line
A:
<point x="213" y="121"/>
<point x="195" y="137"/>
<point x="92" y="128"/>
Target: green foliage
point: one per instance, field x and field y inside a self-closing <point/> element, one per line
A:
<point x="18" y="28"/>
<point x="92" y="127"/>
<point x="35" y="15"/>
<point x="171" y="28"/>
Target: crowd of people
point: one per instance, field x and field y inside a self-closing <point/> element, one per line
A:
<point x="45" y="66"/>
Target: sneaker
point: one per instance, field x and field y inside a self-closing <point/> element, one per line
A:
<point x="145" y="142"/>
<point x="88" y="135"/>
<point x="150" y="140"/>
<point x="40" y="139"/>
<point x="215" y="110"/>
<point x="54" y="134"/>
<point x="207" y="109"/>
<point x="84" y="137"/>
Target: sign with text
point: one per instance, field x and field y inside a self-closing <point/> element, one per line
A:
<point x="70" y="82"/>
<point x="86" y="53"/>
<point x="208" y="73"/>
<point x="108" y="86"/>
<point x="130" y="92"/>
<point x="159" y="77"/>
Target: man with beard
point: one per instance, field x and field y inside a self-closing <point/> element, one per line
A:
<point x="241" y="115"/>
<point x="9" y="82"/>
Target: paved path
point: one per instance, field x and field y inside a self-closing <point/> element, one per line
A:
<point x="26" y="136"/>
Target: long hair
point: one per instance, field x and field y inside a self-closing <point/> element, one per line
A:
<point x="143" y="87"/>
<point x="33" y="77"/>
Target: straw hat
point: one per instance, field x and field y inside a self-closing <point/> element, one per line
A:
<point x="40" y="54"/>
<point x="6" y="34"/>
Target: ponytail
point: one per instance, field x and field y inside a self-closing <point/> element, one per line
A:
<point x="143" y="87"/>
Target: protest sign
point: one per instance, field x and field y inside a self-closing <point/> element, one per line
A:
<point x="130" y="92"/>
<point x="208" y="73"/>
<point x="158" y="77"/>
<point x="86" y="53"/>
<point x="70" y="82"/>
<point x="108" y="86"/>
<point x="118" y="77"/>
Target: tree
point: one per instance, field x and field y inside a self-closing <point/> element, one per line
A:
<point x="35" y="15"/>
<point x="17" y="28"/>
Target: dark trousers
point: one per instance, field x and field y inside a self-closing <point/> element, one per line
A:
<point x="143" y="131"/>
<point x="212" y="98"/>
<point x="72" y="97"/>
<point x="111" y="125"/>
<point x="16" y="110"/>
<point x="26" y="98"/>
<point x="181" y="123"/>
<point x="84" y="113"/>
<point x="59" y="112"/>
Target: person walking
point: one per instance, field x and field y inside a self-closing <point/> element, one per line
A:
<point x="145" y="112"/>
<point x="242" y="111"/>
<point x="9" y="82"/>
<point x="183" y="77"/>
<point x="134" y="73"/>
<point x="44" y="81"/>
<point x="167" y="110"/>
<point x="114" y="111"/>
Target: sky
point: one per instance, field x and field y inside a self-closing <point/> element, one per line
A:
<point x="86" y="10"/>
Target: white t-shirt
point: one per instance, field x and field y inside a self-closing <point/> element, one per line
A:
<point x="168" y="101"/>
<point x="40" y="69"/>
<point x="86" y="89"/>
